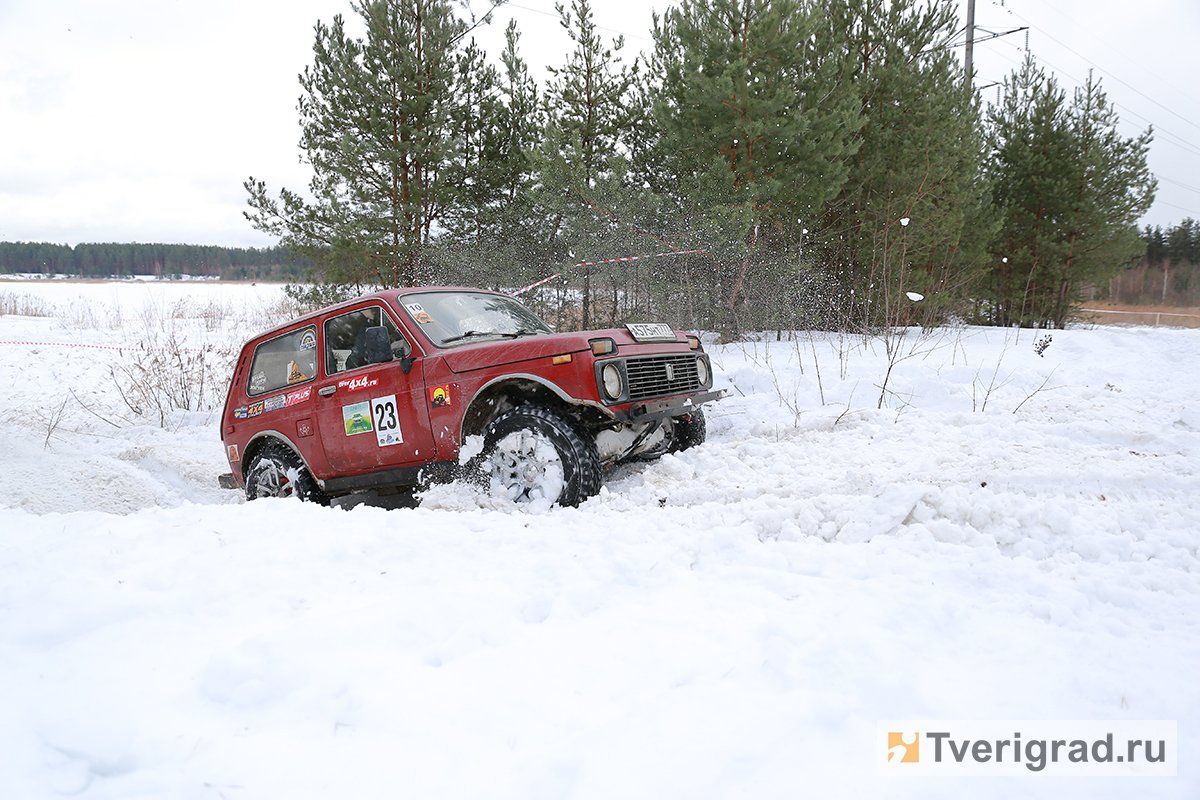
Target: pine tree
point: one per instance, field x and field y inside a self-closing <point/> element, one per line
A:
<point x="912" y="215"/>
<point x="1183" y="242"/>
<point x="754" y="135"/>
<point x="491" y="237"/>
<point x="378" y="117"/>
<point x="581" y="159"/>
<point x="1070" y="189"/>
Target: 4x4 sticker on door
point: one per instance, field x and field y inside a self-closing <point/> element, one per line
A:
<point x="387" y="421"/>
<point x="357" y="418"/>
<point x="361" y="382"/>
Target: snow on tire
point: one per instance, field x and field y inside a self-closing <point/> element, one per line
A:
<point x="276" y="471"/>
<point x="538" y="456"/>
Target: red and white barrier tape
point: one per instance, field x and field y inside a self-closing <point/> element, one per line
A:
<point x="118" y="347"/>
<point x="607" y="261"/>
<point x="535" y="285"/>
<point x="636" y="258"/>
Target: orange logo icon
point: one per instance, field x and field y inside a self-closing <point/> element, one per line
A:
<point x="904" y="747"/>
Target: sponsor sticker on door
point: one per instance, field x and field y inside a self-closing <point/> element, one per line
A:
<point x="357" y="418"/>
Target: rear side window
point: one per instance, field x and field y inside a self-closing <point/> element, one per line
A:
<point x="284" y="361"/>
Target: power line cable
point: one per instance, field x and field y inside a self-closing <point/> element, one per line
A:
<point x="1119" y="51"/>
<point x="1172" y="205"/>
<point x="1177" y="183"/>
<point x="1160" y="133"/>
<point x="1097" y="66"/>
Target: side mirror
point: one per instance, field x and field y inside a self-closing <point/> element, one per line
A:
<point x="379" y="345"/>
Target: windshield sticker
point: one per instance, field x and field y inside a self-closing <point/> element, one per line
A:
<point x="387" y="422"/>
<point x="361" y="382"/>
<point x="423" y="318"/>
<point x="294" y="373"/>
<point x="439" y="396"/>
<point x="308" y="339"/>
<point x="357" y="418"/>
<point x="415" y="308"/>
<point x="258" y="383"/>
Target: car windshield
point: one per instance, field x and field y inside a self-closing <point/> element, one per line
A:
<point x="454" y="318"/>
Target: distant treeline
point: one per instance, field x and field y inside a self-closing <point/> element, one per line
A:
<point x="162" y="260"/>
<point x="1169" y="273"/>
<point x="1179" y="244"/>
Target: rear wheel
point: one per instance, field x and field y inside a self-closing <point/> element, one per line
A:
<point x="538" y="456"/>
<point x="276" y="471"/>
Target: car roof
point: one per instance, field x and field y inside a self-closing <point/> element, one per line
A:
<point x="383" y="294"/>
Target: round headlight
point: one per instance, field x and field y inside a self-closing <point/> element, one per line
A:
<point x="612" y="381"/>
<point x="702" y="371"/>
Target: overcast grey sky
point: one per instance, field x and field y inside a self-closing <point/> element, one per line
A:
<point x="138" y="120"/>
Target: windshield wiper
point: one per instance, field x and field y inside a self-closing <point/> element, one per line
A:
<point x="507" y="335"/>
<point x="466" y="335"/>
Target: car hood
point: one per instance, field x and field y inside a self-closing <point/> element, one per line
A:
<point x="501" y="352"/>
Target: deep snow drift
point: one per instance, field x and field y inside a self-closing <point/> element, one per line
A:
<point x="1013" y="535"/>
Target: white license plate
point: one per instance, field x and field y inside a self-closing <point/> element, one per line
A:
<point x="651" y="332"/>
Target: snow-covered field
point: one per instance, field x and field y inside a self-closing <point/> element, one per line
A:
<point x="1013" y="535"/>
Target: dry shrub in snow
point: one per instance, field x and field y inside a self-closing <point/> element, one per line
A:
<point x="25" y="305"/>
<point x="159" y="377"/>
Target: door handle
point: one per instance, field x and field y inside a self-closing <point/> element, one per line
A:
<point x="325" y="391"/>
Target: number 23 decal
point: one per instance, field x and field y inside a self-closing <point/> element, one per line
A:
<point x="387" y="422"/>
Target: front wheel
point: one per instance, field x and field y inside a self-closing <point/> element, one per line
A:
<point x="538" y="456"/>
<point x="276" y="471"/>
<point x="690" y="430"/>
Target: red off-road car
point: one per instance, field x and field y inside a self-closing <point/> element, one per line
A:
<point x="378" y="395"/>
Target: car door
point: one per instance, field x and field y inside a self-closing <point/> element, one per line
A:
<point x="371" y="416"/>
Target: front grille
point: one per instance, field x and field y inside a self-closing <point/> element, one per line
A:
<point x="660" y="376"/>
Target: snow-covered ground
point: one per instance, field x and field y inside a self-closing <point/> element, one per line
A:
<point x="1012" y="535"/>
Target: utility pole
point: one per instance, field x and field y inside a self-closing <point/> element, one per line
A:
<point x="970" y="36"/>
<point x="969" y="60"/>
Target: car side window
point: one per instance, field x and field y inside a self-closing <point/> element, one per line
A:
<point x="286" y="360"/>
<point x="346" y="338"/>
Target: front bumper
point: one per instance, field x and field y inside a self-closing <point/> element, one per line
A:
<point x="670" y="406"/>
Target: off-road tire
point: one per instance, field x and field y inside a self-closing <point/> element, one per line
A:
<point x="521" y="474"/>
<point x="690" y="430"/>
<point x="276" y="471"/>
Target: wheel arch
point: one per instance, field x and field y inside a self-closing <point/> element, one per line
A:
<point x="509" y="391"/>
<point x="264" y="439"/>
